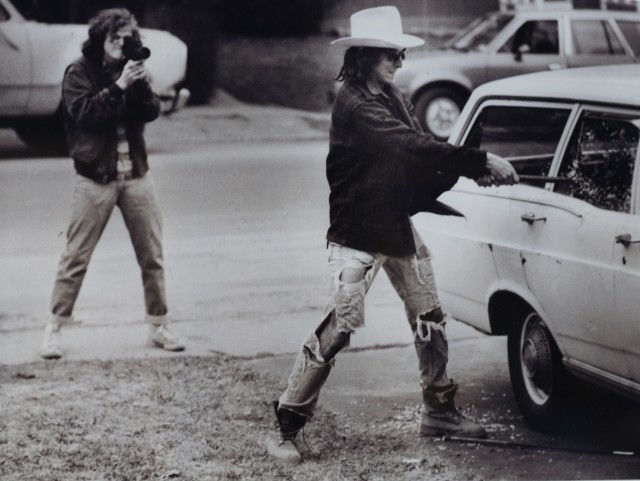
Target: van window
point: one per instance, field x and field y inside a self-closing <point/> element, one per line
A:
<point x="600" y="159"/>
<point x="526" y="136"/>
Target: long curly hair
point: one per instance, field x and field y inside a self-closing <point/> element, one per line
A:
<point x="358" y="64"/>
<point x="104" y="23"/>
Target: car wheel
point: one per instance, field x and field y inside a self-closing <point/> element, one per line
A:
<point x="538" y="378"/>
<point x="438" y="109"/>
<point x="45" y="135"/>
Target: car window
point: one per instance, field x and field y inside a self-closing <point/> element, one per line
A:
<point x="527" y="136"/>
<point x="631" y="31"/>
<point x="600" y="159"/>
<point x="594" y="37"/>
<point x="540" y="36"/>
<point x="480" y="33"/>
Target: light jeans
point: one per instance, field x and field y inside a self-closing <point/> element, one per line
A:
<point x="92" y="206"/>
<point x="413" y="279"/>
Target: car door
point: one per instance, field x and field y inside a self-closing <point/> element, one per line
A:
<point x="626" y="260"/>
<point x="15" y="73"/>
<point x="487" y="242"/>
<point x="568" y="253"/>
<point x="595" y="42"/>
<point x="528" y="134"/>
<point x="534" y="46"/>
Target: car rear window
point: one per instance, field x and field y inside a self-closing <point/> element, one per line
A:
<point x="591" y="37"/>
<point x="527" y="136"/>
<point x="631" y="31"/>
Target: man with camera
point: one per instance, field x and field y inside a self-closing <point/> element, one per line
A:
<point x="106" y="101"/>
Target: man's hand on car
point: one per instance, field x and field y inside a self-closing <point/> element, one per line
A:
<point x="501" y="172"/>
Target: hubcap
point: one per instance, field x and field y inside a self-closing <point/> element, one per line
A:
<point x="440" y="116"/>
<point x="536" y="359"/>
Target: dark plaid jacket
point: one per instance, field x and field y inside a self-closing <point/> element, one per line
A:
<point x="382" y="168"/>
<point x="93" y="106"/>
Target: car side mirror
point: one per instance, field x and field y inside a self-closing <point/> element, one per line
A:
<point x="522" y="49"/>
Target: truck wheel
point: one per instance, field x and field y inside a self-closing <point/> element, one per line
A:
<point x="44" y="135"/>
<point x="539" y="381"/>
<point x="438" y="109"/>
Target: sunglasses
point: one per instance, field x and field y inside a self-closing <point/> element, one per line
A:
<point x="395" y="55"/>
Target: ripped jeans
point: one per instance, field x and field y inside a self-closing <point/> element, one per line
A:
<point x="352" y="273"/>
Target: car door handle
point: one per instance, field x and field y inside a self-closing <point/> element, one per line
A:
<point x="556" y="66"/>
<point x="530" y="218"/>
<point x="625" y="240"/>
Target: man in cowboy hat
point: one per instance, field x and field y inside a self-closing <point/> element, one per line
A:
<point x="382" y="168"/>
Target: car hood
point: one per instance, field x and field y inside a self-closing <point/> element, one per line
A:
<point x="437" y="65"/>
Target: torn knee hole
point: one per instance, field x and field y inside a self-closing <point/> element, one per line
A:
<point x="423" y="252"/>
<point x="436" y="315"/>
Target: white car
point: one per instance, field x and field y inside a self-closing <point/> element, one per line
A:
<point x="513" y="42"/>
<point x="33" y="57"/>
<point x="552" y="262"/>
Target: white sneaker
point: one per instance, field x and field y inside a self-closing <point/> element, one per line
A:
<point x="51" y="347"/>
<point x="162" y="337"/>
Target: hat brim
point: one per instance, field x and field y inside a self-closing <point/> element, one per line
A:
<point x="403" y="41"/>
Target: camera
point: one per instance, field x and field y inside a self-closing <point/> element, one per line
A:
<point x="133" y="49"/>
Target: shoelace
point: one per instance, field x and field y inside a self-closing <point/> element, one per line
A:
<point x="284" y="437"/>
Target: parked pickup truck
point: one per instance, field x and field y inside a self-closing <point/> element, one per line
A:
<point x="33" y="57"/>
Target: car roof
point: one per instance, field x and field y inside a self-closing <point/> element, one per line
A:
<point x="615" y="84"/>
<point x="577" y="13"/>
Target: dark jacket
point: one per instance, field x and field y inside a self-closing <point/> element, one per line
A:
<point x="93" y="105"/>
<point x="382" y="168"/>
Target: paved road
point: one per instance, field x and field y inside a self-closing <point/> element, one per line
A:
<point x="244" y="229"/>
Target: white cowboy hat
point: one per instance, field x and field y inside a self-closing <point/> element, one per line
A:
<point x="379" y="27"/>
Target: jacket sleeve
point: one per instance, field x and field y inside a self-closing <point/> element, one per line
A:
<point x="142" y="104"/>
<point x="86" y="105"/>
<point x="379" y="134"/>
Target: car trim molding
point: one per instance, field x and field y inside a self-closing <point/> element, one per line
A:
<point x="589" y="372"/>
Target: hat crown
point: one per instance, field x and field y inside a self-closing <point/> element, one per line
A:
<point x="378" y="27"/>
<point x="374" y="22"/>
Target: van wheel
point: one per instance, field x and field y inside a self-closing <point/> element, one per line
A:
<point x="538" y="378"/>
<point x="438" y="110"/>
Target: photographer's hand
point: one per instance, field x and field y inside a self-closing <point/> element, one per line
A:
<point x="132" y="72"/>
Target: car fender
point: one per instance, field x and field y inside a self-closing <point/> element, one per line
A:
<point x="502" y="285"/>
<point x="422" y="81"/>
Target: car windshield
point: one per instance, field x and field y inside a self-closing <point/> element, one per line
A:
<point x="479" y="33"/>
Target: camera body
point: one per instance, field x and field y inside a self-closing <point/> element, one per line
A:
<point x="133" y="49"/>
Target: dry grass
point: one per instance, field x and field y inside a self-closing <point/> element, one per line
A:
<point x="186" y="419"/>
